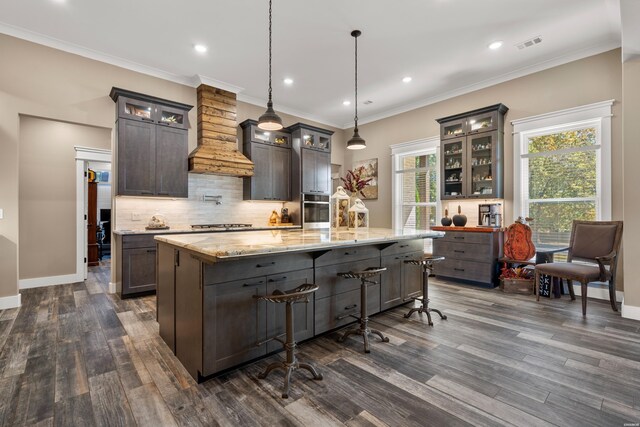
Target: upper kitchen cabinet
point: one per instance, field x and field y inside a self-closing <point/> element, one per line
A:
<point x="152" y="145"/>
<point x="270" y="152"/>
<point x="312" y="159"/>
<point x="472" y="154"/>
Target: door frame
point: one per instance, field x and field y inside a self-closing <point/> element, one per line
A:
<point x="84" y="155"/>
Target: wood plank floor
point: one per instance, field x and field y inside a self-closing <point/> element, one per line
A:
<point x="75" y="355"/>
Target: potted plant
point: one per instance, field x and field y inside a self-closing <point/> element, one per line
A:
<point x="517" y="280"/>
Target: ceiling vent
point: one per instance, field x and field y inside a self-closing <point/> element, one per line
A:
<point x="528" y="43"/>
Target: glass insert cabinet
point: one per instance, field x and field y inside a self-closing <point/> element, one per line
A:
<point x="471" y="154"/>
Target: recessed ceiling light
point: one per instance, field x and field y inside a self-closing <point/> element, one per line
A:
<point x="495" y="45"/>
<point x="368" y="101"/>
<point x="288" y="81"/>
<point x="406" y="79"/>
<point x="200" y="48"/>
<point x="59" y="1"/>
<point x="346" y="103"/>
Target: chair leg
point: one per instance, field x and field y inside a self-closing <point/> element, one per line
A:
<point x="536" y="285"/>
<point x="612" y="294"/>
<point x="572" y="293"/>
<point x="584" y="298"/>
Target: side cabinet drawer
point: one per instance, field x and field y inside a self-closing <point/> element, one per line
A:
<point x="138" y="241"/>
<point x="404" y="246"/>
<point x="465" y="237"/>
<point x="463" y="250"/>
<point x="466" y="270"/>
<point x="333" y="312"/>
<point x="342" y="255"/>
<point x="226" y="271"/>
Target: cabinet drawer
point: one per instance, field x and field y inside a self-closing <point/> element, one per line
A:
<point x="466" y="237"/>
<point x="463" y="250"/>
<point x="344" y="255"/>
<point x="254" y="267"/>
<point x="466" y="270"/>
<point x="333" y="312"/>
<point x="138" y="241"/>
<point x="404" y="246"/>
<point x="329" y="283"/>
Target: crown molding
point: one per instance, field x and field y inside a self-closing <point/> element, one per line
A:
<point x="600" y="109"/>
<point x="521" y="72"/>
<point x="284" y="109"/>
<point x="198" y="80"/>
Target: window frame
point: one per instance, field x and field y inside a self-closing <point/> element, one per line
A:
<point x="418" y="147"/>
<point x="597" y="115"/>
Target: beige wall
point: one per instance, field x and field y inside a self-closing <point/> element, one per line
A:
<point x="593" y="79"/>
<point x="48" y="83"/>
<point x="47" y="208"/>
<point x="631" y="135"/>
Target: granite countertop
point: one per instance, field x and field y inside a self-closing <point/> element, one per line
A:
<point x="478" y="229"/>
<point x="188" y="229"/>
<point x="232" y="245"/>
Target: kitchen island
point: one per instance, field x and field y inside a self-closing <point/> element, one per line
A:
<point x="207" y="283"/>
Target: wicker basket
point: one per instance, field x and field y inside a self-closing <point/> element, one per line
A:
<point x="517" y="286"/>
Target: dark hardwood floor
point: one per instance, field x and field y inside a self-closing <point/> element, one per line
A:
<point x="75" y="355"/>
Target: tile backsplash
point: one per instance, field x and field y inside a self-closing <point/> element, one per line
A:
<point x="181" y="213"/>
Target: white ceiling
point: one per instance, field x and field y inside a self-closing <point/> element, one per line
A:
<point x="442" y="44"/>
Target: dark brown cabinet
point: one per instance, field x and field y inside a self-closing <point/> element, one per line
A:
<point x="270" y="153"/>
<point x="472" y="154"/>
<point x="136" y="266"/>
<point x="316" y="172"/>
<point x="152" y="145"/>
<point x="401" y="281"/>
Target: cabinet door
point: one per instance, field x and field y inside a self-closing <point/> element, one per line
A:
<point x="281" y="173"/>
<point x="136" y="158"/>
<point x="391" y="282"/>
<point x="172" y="176"/>
<point x="411" y="277"/>
<point x="323" y="173"/>
<point x="453" y="169"/>
<point x="134" y="109"/>
<point x="138" y="270"/>
<point x="172" y="117"/>
<point x="302" y="312"/>
<point x="165" y="294"/>
<point x="261" y="181"/>
<point x="309" y="176"/>
<point x="482" y="164"/>
<point x="235" y="323"/>
<point x="453" y="129"/>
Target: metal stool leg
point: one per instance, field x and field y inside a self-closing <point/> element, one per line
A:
<point x="424" y="306"/>
<point x="363" y="329"/>
<point x="291" y="363"/>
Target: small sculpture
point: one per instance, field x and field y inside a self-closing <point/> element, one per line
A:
<point x="273" y="219"/>
<point x="459" y="220"/>
<point x="446" y="221"/>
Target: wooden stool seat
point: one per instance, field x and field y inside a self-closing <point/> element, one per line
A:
<point x="363" y="329"/>
<point x="427" y="266"/>
<point x="299" y="294"/>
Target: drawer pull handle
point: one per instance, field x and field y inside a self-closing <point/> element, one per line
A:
<point x="149" y="251"/>
<point x="351" y="253"/>
<point x="458" y="251"/>
<point x="268" y="264"/>
<point x="146" y="120"/>
<point x="247" y="285"/>
<point x="349" y="307"/>
<point x="280" y="279"/>
<point x="403" y="246"/>
<point x="458" y="237"/>
<point x="459" y="269"/>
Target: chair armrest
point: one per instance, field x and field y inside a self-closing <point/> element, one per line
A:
<point x="609" y="259"/>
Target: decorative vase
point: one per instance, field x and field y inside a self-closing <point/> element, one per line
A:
<point x="459" y="220"/>
<point x="446" y="221"/>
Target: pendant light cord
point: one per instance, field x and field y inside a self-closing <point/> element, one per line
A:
<point x="270" y="50"/>
<point x="356" y="76"/>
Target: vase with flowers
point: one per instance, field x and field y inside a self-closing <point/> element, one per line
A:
<point x="355" y="182"/>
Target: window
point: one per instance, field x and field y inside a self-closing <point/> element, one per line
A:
<point x="415" y="185"/>
<point x="562" y="170"/>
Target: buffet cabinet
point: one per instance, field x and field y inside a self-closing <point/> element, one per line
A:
<point x="471" y="155"/>
<point x="210" y="317"/>
<point x="469" y="256"/>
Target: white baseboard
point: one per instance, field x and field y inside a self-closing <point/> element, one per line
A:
<point x="112" y="288"/>
<point x="598" y="293"/>
<point x="39" y="282"/>
<point x="10" y="302"/>
<point x="630" y="312"/>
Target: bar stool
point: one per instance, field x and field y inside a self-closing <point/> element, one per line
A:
<point x="363" y="329"/>
<point x="299" y="294"/>
<point x="427" y="266"/>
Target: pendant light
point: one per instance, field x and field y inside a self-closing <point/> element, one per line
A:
<point x="356" y="142"/>
<point x="270" y="120"/>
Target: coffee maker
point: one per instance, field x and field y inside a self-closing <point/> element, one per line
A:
<point x="490" y="215"/>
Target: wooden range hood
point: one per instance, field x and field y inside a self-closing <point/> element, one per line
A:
<point x="217" y="152"/>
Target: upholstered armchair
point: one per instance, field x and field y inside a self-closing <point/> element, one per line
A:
<point x="593" y="256"/>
